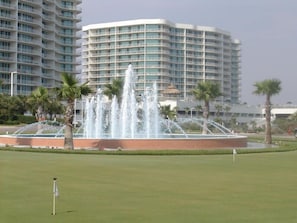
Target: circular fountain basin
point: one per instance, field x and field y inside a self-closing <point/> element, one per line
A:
<point x="192" y="143"/>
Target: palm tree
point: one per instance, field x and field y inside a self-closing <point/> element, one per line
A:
<point x="268" y="88"/>
<point x="114" y="89"/>
<point x="69" y="91"/>
<point x="167" y="112"/>
<point x="206" y="91"/>
<point x="38" y="101"/>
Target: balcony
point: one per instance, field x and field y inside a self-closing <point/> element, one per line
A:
<point x="29" y="31"/>
<point x="7" y="37"/>
<point x="7" y="5"/>
<point x="7" y="27"/>
<point x="71" y="17"/>
<point x="69" y="7"/>
<point x="6" y="16"/>
<point x="4" y="58"/>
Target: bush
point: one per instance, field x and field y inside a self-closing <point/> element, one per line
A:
<point x="11" y="122"/>
<point x="16" y="119"/>
<point x="26" y="119"/>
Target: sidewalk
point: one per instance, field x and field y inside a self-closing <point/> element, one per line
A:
<point x="8" y="129"/>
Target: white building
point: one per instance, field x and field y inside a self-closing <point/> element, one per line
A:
<point x="38" y="42"/>
<point x="281" y="111"/>
<point x="163" y="52"/>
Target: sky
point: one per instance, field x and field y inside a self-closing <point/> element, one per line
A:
<point x="267" y="30"/>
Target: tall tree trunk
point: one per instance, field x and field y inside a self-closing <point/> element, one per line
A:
<point x="68" y="140"/>
<point x="39" y="114"/>
<point x="38" y="117"/>
<point x="69" y="114"/>
<point x="268" y="138"/>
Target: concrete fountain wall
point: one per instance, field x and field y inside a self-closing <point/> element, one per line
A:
<point x="129" y="144"/>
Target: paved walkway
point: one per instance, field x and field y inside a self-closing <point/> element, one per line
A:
<point x="8" y="129"/>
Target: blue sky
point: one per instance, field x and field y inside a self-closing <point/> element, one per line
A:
<point x="266" y="28"/>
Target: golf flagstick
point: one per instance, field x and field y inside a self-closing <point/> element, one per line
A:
<point x="234" y="154"/>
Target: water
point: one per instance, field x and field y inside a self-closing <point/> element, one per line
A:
<point x="134" y="117"/>
<point x="40" y="128"/>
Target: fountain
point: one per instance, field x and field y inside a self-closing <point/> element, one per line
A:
<point x="132" y="123"/>
<point x="132" y="119"/>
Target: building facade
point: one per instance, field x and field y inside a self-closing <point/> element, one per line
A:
<point x="38" y="42"/>
<point x="163" y="52"/>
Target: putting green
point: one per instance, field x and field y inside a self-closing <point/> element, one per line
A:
<point x="102" y="188"/>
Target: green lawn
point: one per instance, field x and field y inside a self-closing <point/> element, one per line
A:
<point x="259" y="187"/>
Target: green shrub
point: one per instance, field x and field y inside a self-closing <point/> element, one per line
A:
<point x="26" y="119"/>
<point x="16" y="119"/>
<point x="11" y="122"/>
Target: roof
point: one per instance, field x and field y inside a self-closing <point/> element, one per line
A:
<point x="171" y="90"/>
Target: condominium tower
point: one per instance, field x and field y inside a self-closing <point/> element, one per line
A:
<point x="178" y="55"/>
<point x="38" y="42"/>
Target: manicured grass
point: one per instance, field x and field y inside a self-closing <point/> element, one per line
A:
<point x="260" y="187"/>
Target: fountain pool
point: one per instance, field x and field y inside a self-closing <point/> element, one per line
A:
<point x="133" y="122"/>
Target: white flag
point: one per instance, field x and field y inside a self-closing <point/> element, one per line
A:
<point x="55" y="189"/>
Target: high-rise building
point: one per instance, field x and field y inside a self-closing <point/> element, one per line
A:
<point x="173" y="55"/>
<point x="38" y="42"/>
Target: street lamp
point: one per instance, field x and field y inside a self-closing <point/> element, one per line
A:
<point x="12" y="82"/>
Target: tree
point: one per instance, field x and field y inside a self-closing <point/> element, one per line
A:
<point x="268" y="88"/>
<point x="206" y="91"/>
<point x="55" y="107"/>
<point x="167" y="112"/>
<point x="253" y="124"/>
<point x="69" y="91"/>
<point x="17" y="104"/>
<point x="226" y="113"/>
<point x="187" y="109"/>
<point x="226" y="109"/>
<point x="198" y="109"/>
<point x="114" y="89"/>
<point x="293" y="117"/>
<point x="38" y="101"/>
<point x="219" y="109"/>
<point x="11" y="107"/>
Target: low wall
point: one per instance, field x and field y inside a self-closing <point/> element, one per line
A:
<point x="131" y="144"/>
